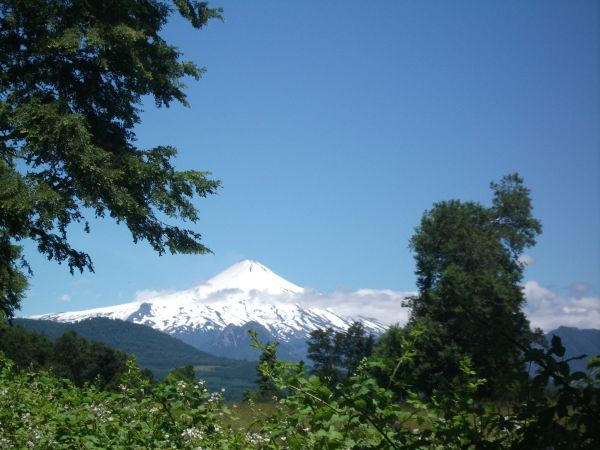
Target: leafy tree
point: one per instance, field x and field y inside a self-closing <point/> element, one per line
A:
<point x="336" y="355"/>
<point x="80" y="361"/>
<point x="323" y="353"/>
<point x="72" y="78"/>
<point x="104" y="364"/>
<point x="418" y="356"/>
<point x="24" y="348"/>
<point x="395" y="350"/>
<point x="267" y="360"/>
<point x="354" y="345"/>
<point x="185" y="373"/>
<point x="468" y="274"/>
<point x="70" y="356"/>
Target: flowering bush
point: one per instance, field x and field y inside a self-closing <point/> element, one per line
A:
<point x="38" y="410"/>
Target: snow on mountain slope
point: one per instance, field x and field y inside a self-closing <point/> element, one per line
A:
<point x="245" y="292"/>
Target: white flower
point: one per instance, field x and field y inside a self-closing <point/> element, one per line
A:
<point x="191" y="433"/>
<point x="256" y="438"/>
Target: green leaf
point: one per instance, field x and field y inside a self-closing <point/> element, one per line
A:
<point x="556" y="346"/>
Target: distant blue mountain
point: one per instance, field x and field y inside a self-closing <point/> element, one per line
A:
<point x="578" y="342"/>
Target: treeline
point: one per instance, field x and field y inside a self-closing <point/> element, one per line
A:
<point x="69" y="356"/>
<point x="335" y="355"/>
<point x="153" y="349"/>
<point x="157" y="351"/>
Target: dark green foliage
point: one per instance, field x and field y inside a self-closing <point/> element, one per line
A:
<point x="13" y="281"/>
<point x="153" y="349"/>
<point x="266" y="385"/>
<point x="323" y="354"/>
<point x="566" y="416"/>
<point x="468" y="274"/>
<point x="361" y="413"/>
<point x="353" y="345"/>
<point x="69" y="356"/>
<point x="434" y="361"/>
<point x="39" y="411"/>
<point x="25" y="348"/>
<point x="336" y="355"/>
<point x="157" y="351"/>
<point x="72" y="78"/>
<point x="185" y="373"/>
<point x="81" y="361"/>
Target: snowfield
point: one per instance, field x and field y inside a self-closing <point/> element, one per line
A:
<point x="247" y="292"/>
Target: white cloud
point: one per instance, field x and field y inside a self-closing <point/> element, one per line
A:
<point x="386" y="306"/>
<point x="548" y="310"/>
<point x="149" y="294"/>
<point x="65" y="297"/>
<point x="544" y="308"/>
<point x="526" y="260"/>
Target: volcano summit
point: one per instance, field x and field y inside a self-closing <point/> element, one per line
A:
<point x="214" y="316"/>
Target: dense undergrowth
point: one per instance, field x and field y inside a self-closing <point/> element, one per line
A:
<point x="41" y="411"/>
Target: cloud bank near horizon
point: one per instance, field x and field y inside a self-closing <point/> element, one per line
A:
<point x="548" y="310"/>
<point x="545" y="308"/>
<point x="383" y="305"/>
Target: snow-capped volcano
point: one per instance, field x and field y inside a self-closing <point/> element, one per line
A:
<point x="248" y="275"/>
<point x="215" y="315"/>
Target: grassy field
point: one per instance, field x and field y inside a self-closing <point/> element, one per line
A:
<point x="246" y="414"/>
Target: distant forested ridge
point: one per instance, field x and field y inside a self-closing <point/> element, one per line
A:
<point x="156" y="351"/>
<point x="68" y="356"/>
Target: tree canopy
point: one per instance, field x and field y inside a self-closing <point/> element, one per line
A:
<point x="72" y="78"/>
<point x="468" y="274"/>
<point x="336" y="355"/>
<point x="266" y="385"/>
<point x="69" y="356"/>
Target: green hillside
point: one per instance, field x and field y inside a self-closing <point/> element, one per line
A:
<point x="156" y="351"/>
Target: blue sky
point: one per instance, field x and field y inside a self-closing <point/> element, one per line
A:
<point x="334" y="125"/>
